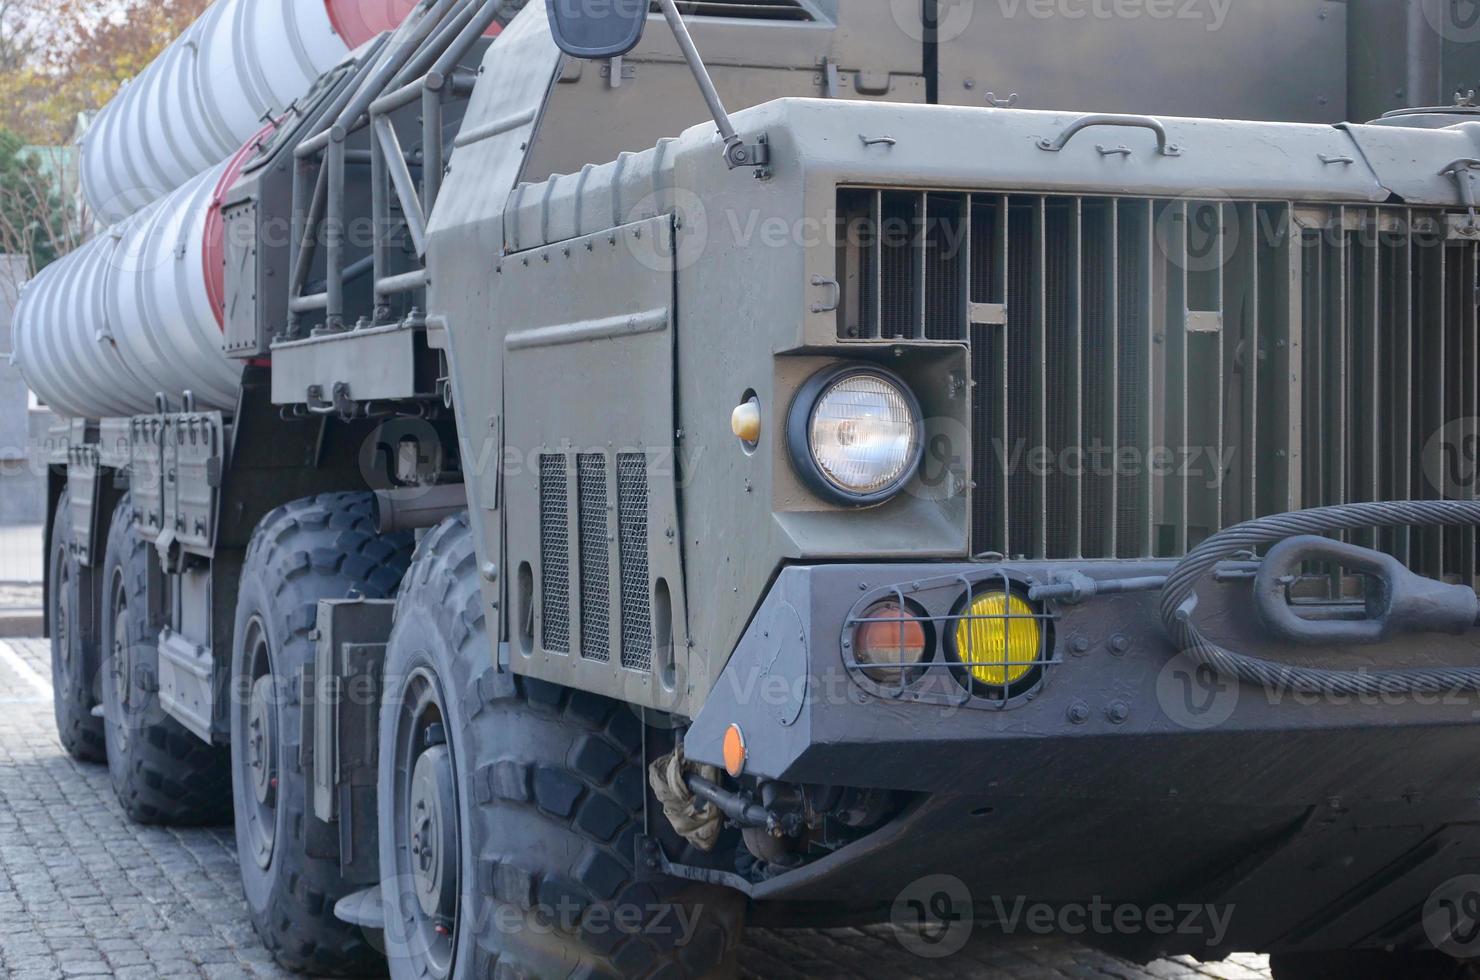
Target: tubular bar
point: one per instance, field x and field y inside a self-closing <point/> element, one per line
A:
<point x="431" y="43"/>
<point x="406" y="282"/>
<point x="395" y="162"/>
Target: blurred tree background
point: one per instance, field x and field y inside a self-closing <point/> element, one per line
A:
<point x="61" y="60"/>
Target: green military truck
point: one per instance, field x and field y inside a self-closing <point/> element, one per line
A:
<point x="1025" y="454"/>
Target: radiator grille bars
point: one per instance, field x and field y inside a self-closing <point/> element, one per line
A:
<point x="1150" y="371"/>
<point x="583" y="567"/>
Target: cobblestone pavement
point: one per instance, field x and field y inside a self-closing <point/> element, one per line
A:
<point x="85" y="893"/>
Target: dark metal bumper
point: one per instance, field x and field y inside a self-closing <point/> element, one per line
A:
<point x="1115" y="689"/>
<point x="1126" y="772"/>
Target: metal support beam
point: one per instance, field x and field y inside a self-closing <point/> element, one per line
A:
<point x="395" y="163"/>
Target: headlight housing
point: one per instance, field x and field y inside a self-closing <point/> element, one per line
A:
<point x="855" y="434"/>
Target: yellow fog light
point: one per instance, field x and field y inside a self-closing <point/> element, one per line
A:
<point x="998" y="639"/>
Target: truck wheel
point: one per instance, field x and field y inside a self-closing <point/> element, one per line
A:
<point x="1370" y="965"/>
<point x="74" y="653"/>
<point x="510" y="809"/>
<point x="321" y="548"/>
<point x="162" y="774"/>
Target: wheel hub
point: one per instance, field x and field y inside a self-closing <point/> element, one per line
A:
<point x="427" y="833"/>
<point x="257" y="755"/>
<point x="121" y="667"/>
<point x="61" y="628"/>
<point x="433" y="826"/>
<point x="261" y="744"/>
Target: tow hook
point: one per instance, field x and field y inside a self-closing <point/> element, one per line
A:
<point x="742" y="810"/>
<point x="1398" y="601"/>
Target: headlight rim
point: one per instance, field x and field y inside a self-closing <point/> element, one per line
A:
<point x="799" y="437"/>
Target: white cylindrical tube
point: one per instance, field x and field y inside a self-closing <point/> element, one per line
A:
<point x="136" y="312"/>
<point x="100" y="332"/>
<point x="213" y="87"/>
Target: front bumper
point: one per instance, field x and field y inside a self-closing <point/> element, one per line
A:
<point x="1114" y="692"/>
<point x="1126" y="772"/>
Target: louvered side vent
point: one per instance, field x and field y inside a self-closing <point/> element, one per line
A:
<point x="787" y="10"/>
<point x="554" y="554"/>
<point x="596" y="606"/>
<point x="632" y="519"/>
<point x="1148" y="372"/>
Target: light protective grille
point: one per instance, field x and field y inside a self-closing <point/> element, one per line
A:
<point x="992" y="647"/>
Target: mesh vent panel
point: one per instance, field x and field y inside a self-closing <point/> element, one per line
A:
<point x="632" y="516"/>
<point x="596" y="604"/>
<point x="554" y="555"/>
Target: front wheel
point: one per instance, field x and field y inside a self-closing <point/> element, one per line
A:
<point x="510" y="809"/>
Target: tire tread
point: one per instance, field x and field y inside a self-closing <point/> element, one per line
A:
<point x="317" y="548"/>
<point x="166" y="775"/>
<point x="565" y="767"/>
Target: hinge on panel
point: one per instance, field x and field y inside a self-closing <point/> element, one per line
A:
<point x="618" y="71"/>
<point x="832" y="80"/>
<point x="1466" y="174"/>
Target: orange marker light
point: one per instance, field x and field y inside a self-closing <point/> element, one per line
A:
<point x="745" y="422"/>
<point x="734" y="751"/>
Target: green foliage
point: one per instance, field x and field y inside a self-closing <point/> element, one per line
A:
<point x="35" y="220"/>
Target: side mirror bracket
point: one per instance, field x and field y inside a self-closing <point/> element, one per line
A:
<point x="599" y="29"/>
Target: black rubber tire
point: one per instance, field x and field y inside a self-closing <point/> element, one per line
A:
<point x="1370" y="965"/>
<point x="324" y="547"/>
<point x="161" y="773"/>
<point x="549" y="797"/>
<point x="74" y="646"/>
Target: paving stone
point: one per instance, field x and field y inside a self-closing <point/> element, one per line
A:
<point x="84" y="893"/>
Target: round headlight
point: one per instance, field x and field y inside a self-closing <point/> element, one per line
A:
<point x="856" y="435"/>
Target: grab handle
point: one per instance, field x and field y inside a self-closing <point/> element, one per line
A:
<point x="1163" y="145"/>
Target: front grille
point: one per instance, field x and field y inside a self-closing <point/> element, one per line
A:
<point x="554" y="554"/>
<point x="595" y="558"/>
<point x="632" y="542"/>
<point x="1147" y="372"/>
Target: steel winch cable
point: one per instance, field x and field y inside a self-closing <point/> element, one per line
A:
<point x="1178" y="601"/>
